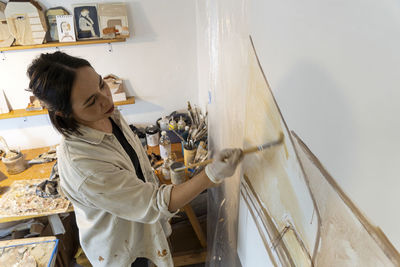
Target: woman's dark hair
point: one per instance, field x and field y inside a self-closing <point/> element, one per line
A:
<point x="51" y="79"/>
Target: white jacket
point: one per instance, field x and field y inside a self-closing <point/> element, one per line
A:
<point x="118" y="215"/>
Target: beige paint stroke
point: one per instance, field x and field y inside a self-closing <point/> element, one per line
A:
<point x="283" y="185"/>
<point x="275" y="174"/>
<point x="347" y="237"/>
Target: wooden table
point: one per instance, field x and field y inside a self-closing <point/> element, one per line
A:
<point x="36" y="171"/>
<point x="177" y="149"/>
<point x="192" y="256"/>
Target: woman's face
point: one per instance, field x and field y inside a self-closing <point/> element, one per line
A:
<point x="90" y="97"/>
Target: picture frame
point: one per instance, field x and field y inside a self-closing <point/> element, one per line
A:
<point x="6" y="39"/>
<point x="113" y="20"/>
<point x="51" y="13"/>
<point x="26" y="22"/>
<point x="65" y="28"/>
<point x="86" y="21"/>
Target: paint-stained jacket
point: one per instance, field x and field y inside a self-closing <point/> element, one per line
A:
<point x="119" y="216"/>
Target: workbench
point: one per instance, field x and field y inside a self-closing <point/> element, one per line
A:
<point x="36" y="171"/>
<point x="41" y="171"/>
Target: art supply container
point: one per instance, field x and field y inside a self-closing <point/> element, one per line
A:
<point x="181" y="124"/>
<point x="172" y="124"/>
<point x="165" y="145"/>
<point x="164" y="123"/>
<point x="152" y="135"/>
<point x="165" y="168"/>
<point x="177" y="177"/>
<point x="188" y="155"/>
<point x="15" y="164"/>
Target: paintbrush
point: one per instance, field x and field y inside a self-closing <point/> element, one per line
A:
<point x="177" y="134"/>
<point x="245" y="152"/>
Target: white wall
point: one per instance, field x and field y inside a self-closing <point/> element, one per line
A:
<point x="334" y="69"/>
<point x="158" y="64"/>
<point x="251" y="249"/>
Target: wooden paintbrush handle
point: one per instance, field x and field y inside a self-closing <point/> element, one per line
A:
<point x="203" y="163"/>
<point x="250" y="150"/>
<point x="206" y="162"/>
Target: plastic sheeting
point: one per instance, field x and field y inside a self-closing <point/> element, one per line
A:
<point x="301" y="227"/>
<point x="223" y="24"/>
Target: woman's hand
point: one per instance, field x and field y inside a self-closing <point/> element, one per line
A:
<point x="224" y="164"/>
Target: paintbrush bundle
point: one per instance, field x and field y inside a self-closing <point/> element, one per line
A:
<point x="195" y="146"/>
<point x="198" y="129"/>
<point x="193" y="138"/>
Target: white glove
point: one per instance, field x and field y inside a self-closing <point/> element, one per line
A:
<point x="224" y="164"/>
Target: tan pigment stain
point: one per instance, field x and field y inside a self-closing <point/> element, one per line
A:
<point x="163" y="253"/>
<point x="101" y="258"/>
<point x="344" y="240"/>
<point x="286" y="151"/>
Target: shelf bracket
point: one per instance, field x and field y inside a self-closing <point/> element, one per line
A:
<point x="3" y="55"/>
<point x="110" y="48"/>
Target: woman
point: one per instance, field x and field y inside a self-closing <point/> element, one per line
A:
<point x="121" y="212"/>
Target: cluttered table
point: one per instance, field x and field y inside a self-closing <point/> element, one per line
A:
<point x="33" y="173"/>
<point x="43" y="170"/>
<point x="177" y="149"/>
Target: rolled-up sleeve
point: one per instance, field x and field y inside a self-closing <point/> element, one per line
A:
<point x="122" y="194"/>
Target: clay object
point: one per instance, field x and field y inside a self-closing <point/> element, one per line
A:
<point x="6" y="39"/>
<point x="26" y="22"/>
<point x="116" y="87"/>
<point x="14" y="162"/>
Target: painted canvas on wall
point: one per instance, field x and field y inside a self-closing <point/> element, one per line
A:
<point x="347" y="237"/>
<point x="275" y="178"/>
<point x="86" y="21"/>
<point x="303" y="216"/>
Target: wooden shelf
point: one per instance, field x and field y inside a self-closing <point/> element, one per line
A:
<point x="17" y="113"/>
<point x="57" y="44"/>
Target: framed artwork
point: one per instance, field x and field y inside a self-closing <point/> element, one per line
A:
<point x="52" y="22"/>
<point x="65" y="28"/>
<point x="6" y="39"/>
<point x="86" y="21"/>
<point x="26" y="22"/>
<point x="113" y="19"/>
